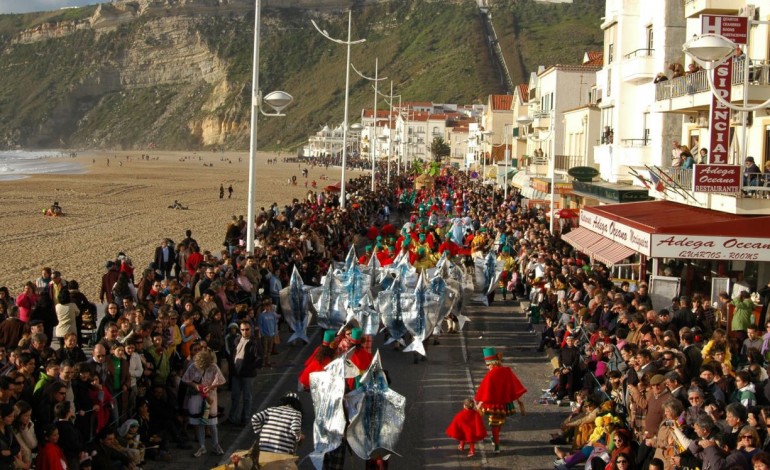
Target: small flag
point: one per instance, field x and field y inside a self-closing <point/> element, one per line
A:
<point x="659" y="186"/>
<point x="644" y="181"/>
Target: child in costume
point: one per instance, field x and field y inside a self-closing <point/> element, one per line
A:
<point x="498" y="392"/>
<point x="467" y="426"/>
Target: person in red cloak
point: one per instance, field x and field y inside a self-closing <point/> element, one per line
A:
<point x="361" y="358"/>
<point x="323" y="355"/>
<point x="497" y="393"/>
<point x="467" y="426"/>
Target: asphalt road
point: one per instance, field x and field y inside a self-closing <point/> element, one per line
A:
<point x="434" y="391"/>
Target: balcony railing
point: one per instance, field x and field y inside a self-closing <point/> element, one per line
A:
<point x="644" y="142"/>
<point x="691" y="83"/>
<point x="639" y="53"/>
<point x="565" y="162"/>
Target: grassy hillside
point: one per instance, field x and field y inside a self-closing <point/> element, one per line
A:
<point x="534" y="33"/>
<point x="432" y="51"/>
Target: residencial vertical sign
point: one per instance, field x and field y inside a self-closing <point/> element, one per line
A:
<point x="735" y="28"/>
<point x="719" y="122"/>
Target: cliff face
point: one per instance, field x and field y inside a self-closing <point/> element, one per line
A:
<point x="177" y="73"/>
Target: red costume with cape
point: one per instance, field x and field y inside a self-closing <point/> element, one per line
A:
<point x="467" y="426"/>
<point x="499" y="390"/>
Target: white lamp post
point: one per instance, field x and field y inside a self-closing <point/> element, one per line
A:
<point x="278" y="100"/>
<point x="526" y="121"/>
<point x="712" y="50"/>
<point x="357" y="127"/>
<point x="507" y="155"/>
<point x="348" y="43"/>
<point x="485" y="135"/>
<point x="373" y="136"/>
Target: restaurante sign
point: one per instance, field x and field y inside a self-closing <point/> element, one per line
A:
<point x="717" y="248"/>
<point x="716" y="178"/>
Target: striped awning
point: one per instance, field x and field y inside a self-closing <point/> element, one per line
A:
<point x="610" y="252"/>
<point x="581" y="238"/>
<point x="596" y="246"/>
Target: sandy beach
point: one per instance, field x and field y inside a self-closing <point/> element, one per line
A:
<point x="124" y="207"/>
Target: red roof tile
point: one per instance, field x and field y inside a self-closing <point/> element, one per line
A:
<point x="594" y="58"/>
<point x="501" y="102"/>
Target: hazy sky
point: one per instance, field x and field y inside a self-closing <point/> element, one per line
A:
<point x="24" y="6"/>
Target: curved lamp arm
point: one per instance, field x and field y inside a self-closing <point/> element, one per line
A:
<point x="365" y="77"/>
<point x="724" y="102"/>
<point x="338" y="41"/>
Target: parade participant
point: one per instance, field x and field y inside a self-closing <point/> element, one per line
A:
<point x="279" y="429"/>
<point x="467" y="426"/>
<point x="323" y="355"/>
<point x="497" y="393"/>
<point x="509" y="266"/>
<point x="360" y="357"/>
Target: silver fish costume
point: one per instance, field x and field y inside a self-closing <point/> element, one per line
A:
<point x="327" y="389"/>
<point x="389" y="304"/>
<point x="377" y="414"/>
<point x="328" y="301"/>
<point x="294" y="302"/>
<point x="420" y="314"/>
<point x="488" y="272"/>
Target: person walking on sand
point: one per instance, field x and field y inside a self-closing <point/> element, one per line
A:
<point x="221" y="191"/>
<point x="230" y="192"/>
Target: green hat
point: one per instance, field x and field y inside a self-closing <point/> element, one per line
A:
<point x="379" y="237"/>
<point x="356" y="335"/>
<point x="506" y="249"/>
<point x="421" y="251"/>
<point x="483" y="229"/>
<point x="490" y="354"/>
<point x="368" y="248"/>
<point x="422" y="237"/>
<point x="329" y="336"/>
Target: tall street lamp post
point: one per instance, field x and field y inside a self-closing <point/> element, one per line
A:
<point x="347" y="43"/>
<point x="526" y="121"/>
<point x="373" y="136"/>
<point x="278" y="100"/>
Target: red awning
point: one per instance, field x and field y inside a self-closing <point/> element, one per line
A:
<point x="581" y="238"/>
<point x="671" y="217"/>
<point x="610" y="252"/>
<point x="665" y="229"/>
<point x="597" y="247"/>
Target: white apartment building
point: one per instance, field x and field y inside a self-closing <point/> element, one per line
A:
<point x="551" y="93"/>
<point x="641" y="38"/>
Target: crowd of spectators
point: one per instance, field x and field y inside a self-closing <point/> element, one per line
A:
<point x="139" y="382"/>
<point x="653" y="385"/>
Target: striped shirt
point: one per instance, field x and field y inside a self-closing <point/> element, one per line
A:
<point x="278" y="429"/>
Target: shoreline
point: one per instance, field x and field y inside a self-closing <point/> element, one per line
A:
<point x="123" y="207"/>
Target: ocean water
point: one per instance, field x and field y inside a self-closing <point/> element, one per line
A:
<point x="19" y="164"/>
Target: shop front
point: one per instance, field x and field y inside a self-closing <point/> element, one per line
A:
<point x="681" y="241"/>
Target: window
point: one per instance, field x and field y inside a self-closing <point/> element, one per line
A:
<point x="610" y="53"/>
<point x="646" y="123"/>
<point x="649" y="40"/>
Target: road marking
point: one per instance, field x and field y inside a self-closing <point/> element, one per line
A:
<point x="468" y="377"/>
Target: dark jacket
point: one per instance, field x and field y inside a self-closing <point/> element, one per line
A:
<point x="70" y="440"/>
<point x="247" y="367"/>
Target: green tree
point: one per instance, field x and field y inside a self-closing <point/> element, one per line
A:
<point x="439" y="149"/>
